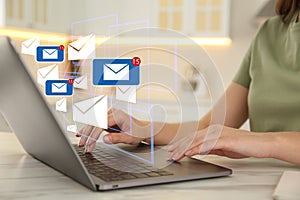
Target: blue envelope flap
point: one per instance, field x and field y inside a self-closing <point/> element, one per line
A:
<point x="116" y="71"/>
<point x="59" y="85"/>
<point x="50" y="51"/>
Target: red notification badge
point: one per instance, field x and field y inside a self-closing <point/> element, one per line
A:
<point x="71" y="81"/>
<point x="61" y="47"/>
<point x="136" y="61"/>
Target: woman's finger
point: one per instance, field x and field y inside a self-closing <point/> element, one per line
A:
<point x="181" y="147"/>
<point x="205" y="141"/>
<point x="96" y="132"/>
<point x="206" y="148"/>
<point x="175" y="145"/>
<point x="84" y="134"/>
<point x="187" y="144"/>
<point x="193" y="151"/>
<point x="183" y="142"/>
<point x="111" y="120"/>
<point x="115" y="116"/>
<point x="115" y="138"/>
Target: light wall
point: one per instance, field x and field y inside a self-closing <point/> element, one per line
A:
<point x="2" y="13"/>
<point x="243" y="29"/>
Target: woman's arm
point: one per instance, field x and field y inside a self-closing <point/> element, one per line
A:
<point x="236" y="108"/>
<point x="286" y="147"/>
<point x="235" y="143"/>
<point x="236" y="102"/>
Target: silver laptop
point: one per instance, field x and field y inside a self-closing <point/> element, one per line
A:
<point x="39" y="132"/>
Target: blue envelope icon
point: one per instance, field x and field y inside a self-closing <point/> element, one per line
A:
<point x="58" y="88"/>
<point x="115" y="72"/>
<point x="49" y="54"/>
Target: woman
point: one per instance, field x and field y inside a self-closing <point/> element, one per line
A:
<point x="266" y="90"/>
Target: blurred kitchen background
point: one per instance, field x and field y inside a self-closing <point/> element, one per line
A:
<point x="224" y="28"/>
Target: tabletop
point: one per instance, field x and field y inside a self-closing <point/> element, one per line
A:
<point x="23" y="177"/>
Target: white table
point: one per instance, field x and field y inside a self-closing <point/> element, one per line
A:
<point x="22" y="177"/>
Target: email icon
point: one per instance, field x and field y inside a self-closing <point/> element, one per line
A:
<point x="50" y="54"/>
<point x="72" y="128"/>
<point x="47" y="73"/>
<point x="83" y="48"/>
<point x="115" y="72"/>
<point x="81" y="82"/>
<point x="58" y="88"/>
<point x="91" y="111"/>
<point x="126" y="93"/>
<point x="29" y="46"/>
<point x="61" y="105"/>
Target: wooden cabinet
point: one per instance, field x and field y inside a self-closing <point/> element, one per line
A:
<point x="204" y="18"/>
<point x="47" y="15"/>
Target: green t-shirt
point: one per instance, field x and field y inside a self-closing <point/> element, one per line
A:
<point x="271" y="72"/>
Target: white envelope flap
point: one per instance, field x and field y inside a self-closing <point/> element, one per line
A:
<point x="86" y="105"/>
<point x="50" y="51"/>
<point x="59" y="85"/>
<point x="80" y="43"/>
<point x="116" y="68"/>
<point x="60" y="102"/>
<point x="45" y="71"/>
<point x="123" y="89"/>
<point x="79" y="79"/>
<point x="29" y="42"/>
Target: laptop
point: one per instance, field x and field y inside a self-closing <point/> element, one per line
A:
<point x="41" y="135"/>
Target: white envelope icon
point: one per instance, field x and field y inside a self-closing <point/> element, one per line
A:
<point x="80" y="82"/>
<point x="29" y="46"/>
<point x="126" y="93"/>
<point x="91" y="111"/>
<point x="50" y="54"/>
<point x="61" y="105"/>
<point x="47" y="73"/>
<point x="83" y="48"/>
<point x="59" y="88"/>
<point x="115" y="72"/>
<point x="72" y="128"/>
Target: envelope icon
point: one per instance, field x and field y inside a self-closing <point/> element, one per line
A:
<point x="50" y="54"/>
<point x="83" y="48"/>
<point x="72" y="128"/>
<point x="47" y="73"/>
<point x="81" y="82"/>
<point x="61" y="105"/>
<point x="126" y="93"/>
<point x="29" y="46"/>
<point x="115" y="72"/>
<point x="91" y="111"/>
<point x="59" y="88"/>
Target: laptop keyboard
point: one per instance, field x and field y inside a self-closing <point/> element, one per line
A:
<point x="95" y="165"/>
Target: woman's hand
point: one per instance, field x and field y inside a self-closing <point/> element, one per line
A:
<point x="133" y="131"/>
<point x="224" y="141"/>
